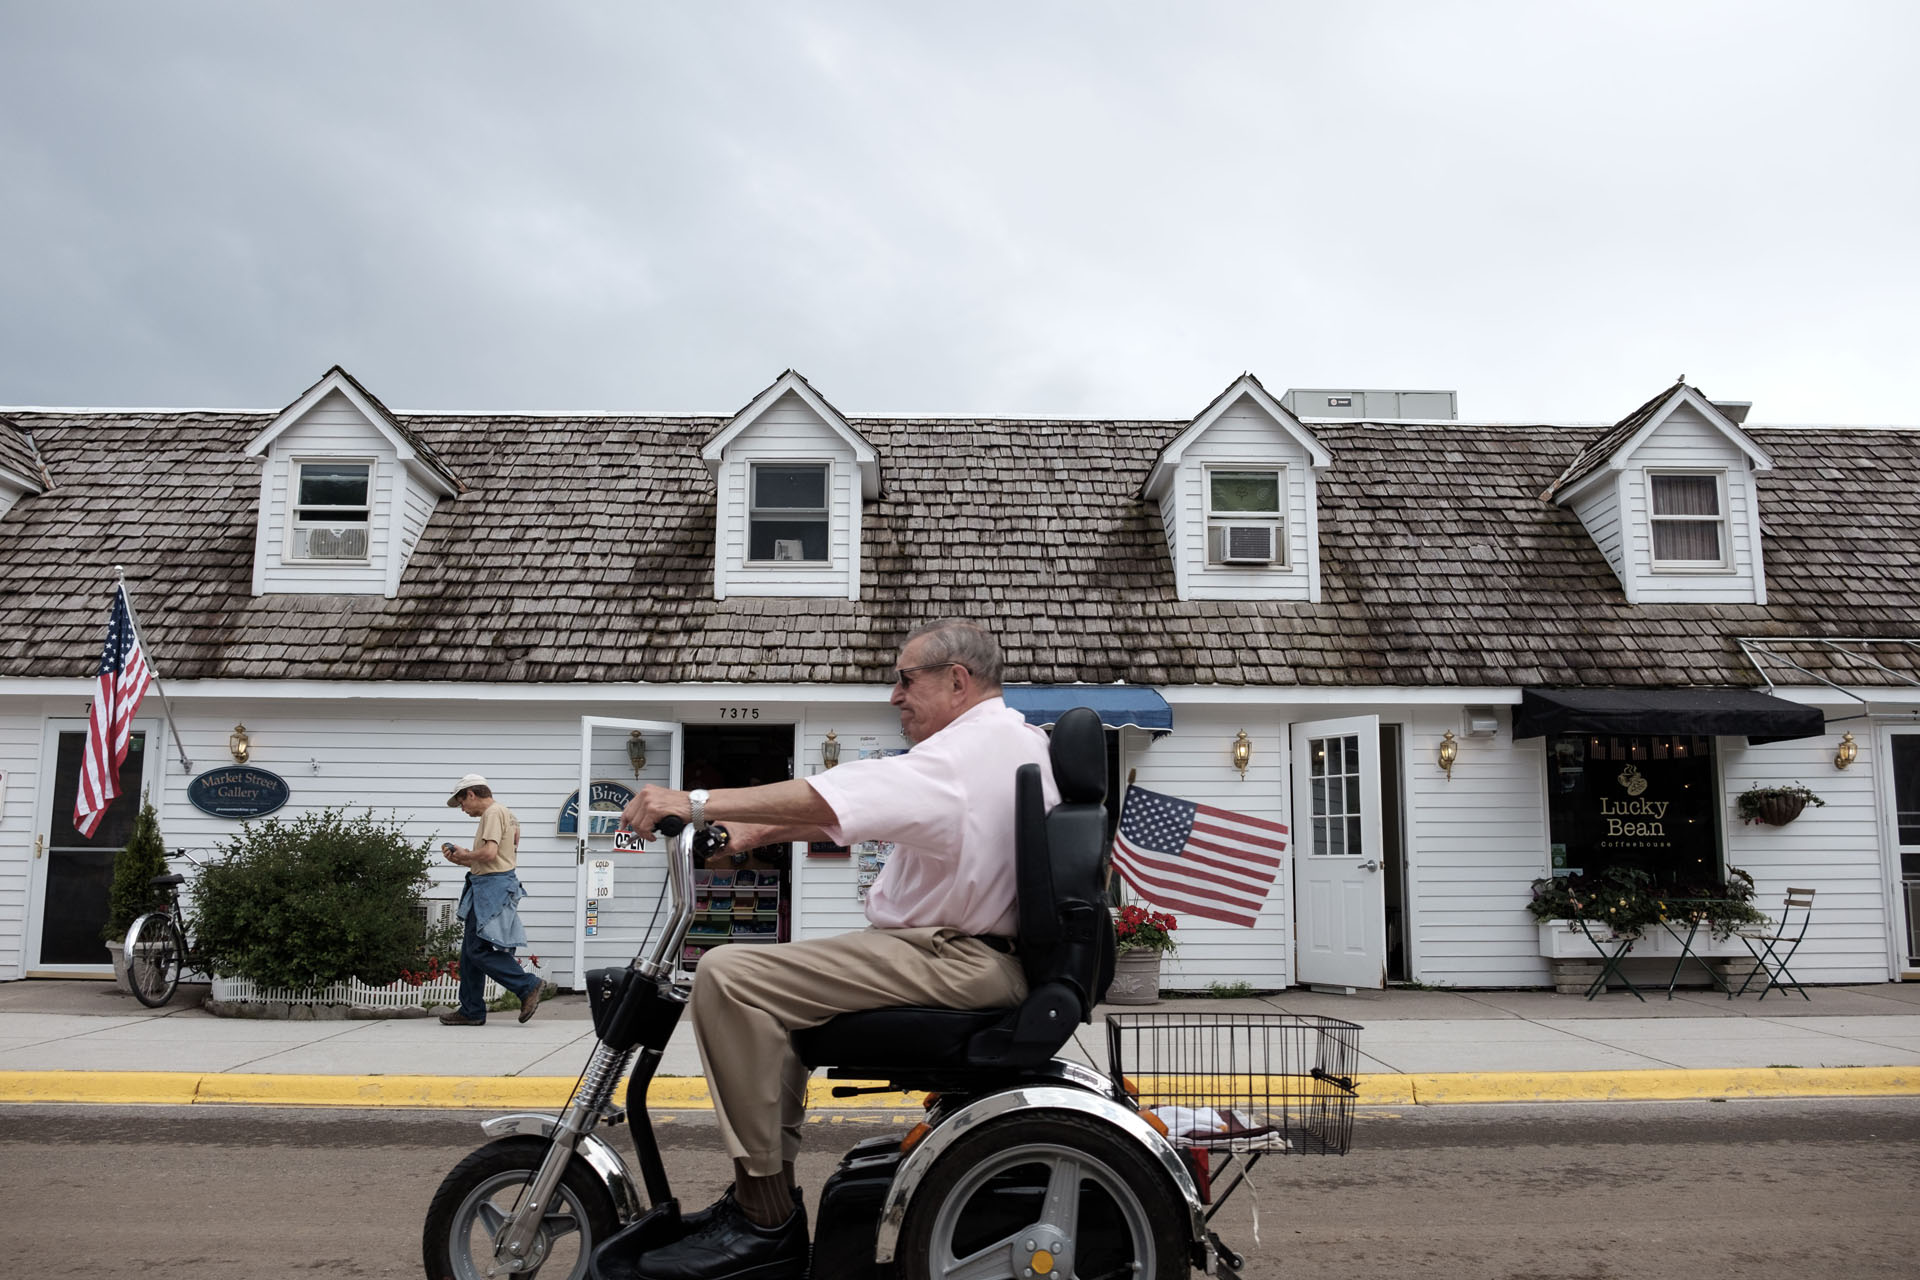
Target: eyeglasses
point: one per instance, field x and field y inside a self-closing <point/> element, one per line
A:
<point x="903" y="676"/>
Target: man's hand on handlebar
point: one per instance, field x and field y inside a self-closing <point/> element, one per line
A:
<point x="644" y="812"/>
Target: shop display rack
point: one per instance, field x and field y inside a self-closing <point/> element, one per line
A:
<point x="733" y="906"/>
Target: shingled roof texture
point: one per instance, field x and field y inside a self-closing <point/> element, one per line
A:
<point x="583" y="551"/>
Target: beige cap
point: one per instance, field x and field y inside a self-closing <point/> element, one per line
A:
<point x="470" y="780"/>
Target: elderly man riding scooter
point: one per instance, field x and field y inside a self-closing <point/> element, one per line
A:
<point x="942" y="925"/>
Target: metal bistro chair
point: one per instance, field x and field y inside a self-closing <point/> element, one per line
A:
<point x="1773" y="946"/>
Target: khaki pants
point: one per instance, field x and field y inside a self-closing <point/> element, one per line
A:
<point x="748" y="1001"/>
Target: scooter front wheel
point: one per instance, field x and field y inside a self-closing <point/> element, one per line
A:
<point x="477" y="1199"/>
<point x="1057" y="1195"/>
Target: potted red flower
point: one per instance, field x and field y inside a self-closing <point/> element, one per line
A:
<point x="1142" y="937"/>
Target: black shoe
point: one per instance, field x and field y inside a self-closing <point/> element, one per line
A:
<point x="699" y="1218"/>
<point x="731" y="1246"/>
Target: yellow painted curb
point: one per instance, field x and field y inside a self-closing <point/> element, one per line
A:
<point x="689" y="1093"/>
<point x="1650" y="1086"/>
<point x="174" y="1088"/>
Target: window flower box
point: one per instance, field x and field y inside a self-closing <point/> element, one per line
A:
<point x="1563" y="940"/>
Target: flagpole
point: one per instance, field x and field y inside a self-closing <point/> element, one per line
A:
<point x="173" y="724"/>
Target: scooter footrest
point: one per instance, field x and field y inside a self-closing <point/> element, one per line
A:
<point x="619" y="1258"/>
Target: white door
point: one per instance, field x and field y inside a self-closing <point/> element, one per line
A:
<point x="1340" y="897"/>
<point x="609" y="928"/>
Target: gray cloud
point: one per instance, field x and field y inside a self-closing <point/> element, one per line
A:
<point x="1084" y="208"/>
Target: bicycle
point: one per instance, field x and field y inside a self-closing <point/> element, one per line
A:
<point x="156" y="947"/>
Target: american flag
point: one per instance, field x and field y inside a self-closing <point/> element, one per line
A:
<point x="124" y="677"/>
<point x="1196" y="858"/>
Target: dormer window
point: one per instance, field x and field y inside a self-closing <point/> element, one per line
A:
<point x="1687" y="515"/>
<point x="787" y="519"/>
<point x="332" y="510"/>
<point x="1246" y="518"/>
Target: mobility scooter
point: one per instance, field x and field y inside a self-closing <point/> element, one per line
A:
<point x="1026" y="1164"/>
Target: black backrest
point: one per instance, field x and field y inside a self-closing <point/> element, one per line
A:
<point x="1066" y="929"/>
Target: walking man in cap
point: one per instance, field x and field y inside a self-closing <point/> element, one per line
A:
<point x="493" y="927"/>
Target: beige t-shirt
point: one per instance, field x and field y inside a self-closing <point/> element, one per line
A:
<point x="498" y="824"/>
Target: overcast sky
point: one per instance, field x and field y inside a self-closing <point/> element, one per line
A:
<point x="962" y="208"/>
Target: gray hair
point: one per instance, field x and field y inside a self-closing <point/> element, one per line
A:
<point x="958" y="641"/>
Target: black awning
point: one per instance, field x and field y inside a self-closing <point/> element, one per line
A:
<point x="1748" y="713"/>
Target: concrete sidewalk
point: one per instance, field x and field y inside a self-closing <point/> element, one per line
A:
<point x="87" y="1042"/>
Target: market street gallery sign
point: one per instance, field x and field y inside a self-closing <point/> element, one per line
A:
<point x="240" y="791"/>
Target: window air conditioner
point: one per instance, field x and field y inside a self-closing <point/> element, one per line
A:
<point x="436" y="913"/>
<point x="1244" y="543"/>
<point x="346" y="543"/>
<point x="788" y="549"/>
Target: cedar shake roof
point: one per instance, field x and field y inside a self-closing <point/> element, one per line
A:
<point x="17" y="456"/>
<point x="1441" y="565"/>
<point x="1608" y="442"/>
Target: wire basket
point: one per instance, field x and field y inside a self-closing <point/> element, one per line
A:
<point x="1252" y="1083"/>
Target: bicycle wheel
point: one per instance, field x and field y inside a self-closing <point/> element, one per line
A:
<point x="154" y="950"/>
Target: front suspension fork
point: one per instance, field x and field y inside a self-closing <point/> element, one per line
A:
<point x="513" y="1247"/>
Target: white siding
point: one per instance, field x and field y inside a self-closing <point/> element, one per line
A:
<point x="1475" y="844"/>
<point x="415" y="508"/>
<point x="790" y="431"/>
<point x="1195" y="763"/>
<point x="826" y="899"/>
<point x="1834" y="850"/>
<point x="1599" y="510"/>
<point x="21" y="729"/>
<point x="1686" y="441"/>
<point x="333" y="428"/>
<point x="1244" y="434"/>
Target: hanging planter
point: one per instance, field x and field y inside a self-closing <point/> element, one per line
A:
<point x="1775" y="806"/>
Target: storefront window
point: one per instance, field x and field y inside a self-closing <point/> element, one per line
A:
<point x="1641" y="802"/>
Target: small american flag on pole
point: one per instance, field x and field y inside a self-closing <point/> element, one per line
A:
<point x="1196" y="858"/>
<point x="124" y="678"/>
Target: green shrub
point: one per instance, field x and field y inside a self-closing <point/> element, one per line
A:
<point x="312" y="901"/>
<point x="134" y="868"/>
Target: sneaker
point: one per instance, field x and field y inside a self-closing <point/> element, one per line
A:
<point x="731" y="1246"/>
<point x="530" y="1003"/>
<point x="459" y="1019"/>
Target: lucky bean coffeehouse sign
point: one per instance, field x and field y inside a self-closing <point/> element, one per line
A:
<point x="1644" y="802"/>
<point x="239" y="791"/>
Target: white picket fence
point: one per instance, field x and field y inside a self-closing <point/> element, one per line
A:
<point x="352" y="992"/>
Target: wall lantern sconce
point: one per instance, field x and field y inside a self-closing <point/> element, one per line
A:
<point x="636" y="752"/>
<point x="1849" y="752"/>
<point x="830" y="750"/>
<point x="239" y="744"/>
<point x="1242" y="753"/>
<point x="1449" y="752"/>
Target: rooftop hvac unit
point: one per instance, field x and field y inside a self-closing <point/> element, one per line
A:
<point x="348" y="542"/>
<point x="1243" y="543"/>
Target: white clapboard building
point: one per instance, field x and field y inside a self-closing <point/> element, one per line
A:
<point x="368" y="604"/>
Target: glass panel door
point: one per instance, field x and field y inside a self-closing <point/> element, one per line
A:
<point x="79" y="874"/>
<point x="1906" y="827"/>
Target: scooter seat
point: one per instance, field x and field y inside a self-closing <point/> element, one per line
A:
<point x="908" y="1037"/>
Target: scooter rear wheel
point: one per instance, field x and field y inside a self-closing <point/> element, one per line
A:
<point x="476" y="1200"/>
<point x="1057" y="1194"/>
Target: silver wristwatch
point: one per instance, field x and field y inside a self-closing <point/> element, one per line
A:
<point x="698" y="801"/>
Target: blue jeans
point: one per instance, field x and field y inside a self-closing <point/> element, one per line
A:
<point x="480" y="960"/>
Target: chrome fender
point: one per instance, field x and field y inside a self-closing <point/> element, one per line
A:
<point x="600" y="1157"/>
<point x="930" y="1148"/>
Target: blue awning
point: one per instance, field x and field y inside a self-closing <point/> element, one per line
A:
<point x="1120" y="706"/>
